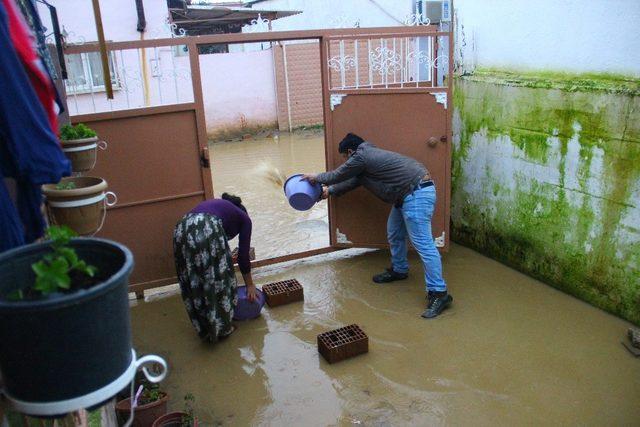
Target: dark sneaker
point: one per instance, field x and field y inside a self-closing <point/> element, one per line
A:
<point x="436" y="305"/>
<point x="389" y="276"/>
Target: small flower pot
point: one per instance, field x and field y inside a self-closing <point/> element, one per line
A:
<point x="143" y="415"/>
<point x="66" y="351"/>
<point x="174" y="419"/>
<point x="82" y="208"/>
<point x="83" y="153"/>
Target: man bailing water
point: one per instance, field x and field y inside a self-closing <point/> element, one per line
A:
<point x="406" y="184"/>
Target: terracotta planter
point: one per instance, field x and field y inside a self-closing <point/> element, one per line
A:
<point x="83" y="152"/>
<point x="144" y="415"/>
<point x="173" y="419"/>
<point x="82" y="208"/>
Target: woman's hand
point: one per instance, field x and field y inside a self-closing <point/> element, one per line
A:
<point x="252" y="293"/>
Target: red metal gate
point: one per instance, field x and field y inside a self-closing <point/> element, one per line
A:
<point x="157" y="159"/>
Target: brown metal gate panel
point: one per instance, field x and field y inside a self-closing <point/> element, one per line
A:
<point x="392" y="90"/>
<point x="153" y="165"/>
<point x="400" y="122"/>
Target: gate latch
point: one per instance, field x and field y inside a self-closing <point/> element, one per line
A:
<point x="204" y="158"/>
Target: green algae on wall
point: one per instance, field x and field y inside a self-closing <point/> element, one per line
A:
<point x="548" y="181"/>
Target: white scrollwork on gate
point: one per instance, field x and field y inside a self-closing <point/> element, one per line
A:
<point x="342" y="63"/>
<point x="385" y="61"/>
<point x="415" y="19"/>
<point x="168" y="29"/>
<point x="258" y="25"/>
<point x="426" y="58"/>
<point x="71" y="39"/>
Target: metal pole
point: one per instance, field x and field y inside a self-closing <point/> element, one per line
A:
<point x="103" y="49"/>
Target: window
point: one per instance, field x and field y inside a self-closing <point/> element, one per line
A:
<point x="85" y="73"/>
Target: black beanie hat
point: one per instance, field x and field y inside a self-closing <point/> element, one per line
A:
<point x="350" y="142"/>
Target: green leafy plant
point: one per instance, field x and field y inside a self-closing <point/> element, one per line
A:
<point x="150" y="393"/>
<point x="69" y="185"/>
<point x="54" y="269"/>
<point x="79" y="131"/>
<point x="187" y="419"/>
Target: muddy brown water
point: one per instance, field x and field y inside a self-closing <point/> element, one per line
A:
<point x="510" y="351"/>
<point x="246" y="169"/>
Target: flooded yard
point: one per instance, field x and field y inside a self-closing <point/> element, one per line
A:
<point x="243" y="168"/>
<point x="510" y="351"/>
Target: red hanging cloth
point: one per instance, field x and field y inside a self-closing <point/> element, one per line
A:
<point x="24" y="43"/>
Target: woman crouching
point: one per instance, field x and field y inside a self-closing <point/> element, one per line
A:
<point x="204" y="264"/>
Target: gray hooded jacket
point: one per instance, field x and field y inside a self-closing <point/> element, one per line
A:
<point x="388" y="175"/>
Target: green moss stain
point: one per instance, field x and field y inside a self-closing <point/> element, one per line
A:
<point x="585" y="82"/>
<point x="561" y="166"/>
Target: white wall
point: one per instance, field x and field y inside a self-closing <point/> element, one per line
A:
<point x="557" y="35"/>
<point x="237" y="87"/>
<point x="119" y="19"/>
<point x="326" y="13"/>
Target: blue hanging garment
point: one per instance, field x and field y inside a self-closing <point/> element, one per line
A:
<point x="29" y="150"/>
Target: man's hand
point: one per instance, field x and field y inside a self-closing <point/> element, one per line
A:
<point x="252" y="293"/>
<point x="311" y="177"/>
<point x="325" y="192"/>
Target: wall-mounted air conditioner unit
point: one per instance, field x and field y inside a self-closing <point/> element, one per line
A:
<point x="436" y="11"/>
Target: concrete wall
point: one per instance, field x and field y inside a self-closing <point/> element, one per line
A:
<point x="570" y="35"/>
<point x="239" y="92"/>
<point x="546" y="167"/>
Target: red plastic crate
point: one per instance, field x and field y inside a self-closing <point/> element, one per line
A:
<point x="284" y="292"/>
<point x="343" y="343"/>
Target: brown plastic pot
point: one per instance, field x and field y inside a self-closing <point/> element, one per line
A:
<point x="173" y="419"/>
<point x="144" y="415"/>
<point x="82" y="152"/>
<point x="82" y="208"/>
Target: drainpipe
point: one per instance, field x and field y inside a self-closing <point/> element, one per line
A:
<point x="286" y="84"/>
<point x="141" y="27"/>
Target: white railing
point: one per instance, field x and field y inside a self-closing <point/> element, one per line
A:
<point x="142" y="77"/>
<point x="397" y="62"/>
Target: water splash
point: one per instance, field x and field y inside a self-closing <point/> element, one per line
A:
<point x="267" y="172"/>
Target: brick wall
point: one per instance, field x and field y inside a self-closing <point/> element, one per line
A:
<point x="304" y="84"/>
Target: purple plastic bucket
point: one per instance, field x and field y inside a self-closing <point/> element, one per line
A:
<point x="301" y="194"/>
<point x="246" y="310"/>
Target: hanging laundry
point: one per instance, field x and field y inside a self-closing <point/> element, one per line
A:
<point x="30" y="13"/>
<point x="30" y="152"/>
<point x="25" y="44"/>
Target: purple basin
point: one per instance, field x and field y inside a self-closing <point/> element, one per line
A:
<point x="301" y="194"/>
<point x="246" y="310"/>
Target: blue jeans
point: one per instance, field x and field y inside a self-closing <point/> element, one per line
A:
<point x="413" y="219"/>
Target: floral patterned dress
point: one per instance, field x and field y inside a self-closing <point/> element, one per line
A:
<point x="206" y="274"/>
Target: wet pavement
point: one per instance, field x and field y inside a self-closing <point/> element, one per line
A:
<point x="510" y="351"/>
<point x="246" y="168"/>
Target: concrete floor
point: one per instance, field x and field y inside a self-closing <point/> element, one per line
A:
<point x="510" y="351"/>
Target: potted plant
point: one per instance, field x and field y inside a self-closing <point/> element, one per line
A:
<point x="181" y="418"/>
<point x="79" y="203"/>
<point x="151" y="403"/>
<point x="80" y="145"/>
<point x="65" y="334"/>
